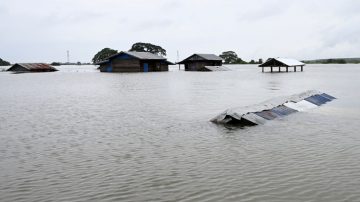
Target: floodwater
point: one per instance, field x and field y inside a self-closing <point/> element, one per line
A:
<point x="82" y="135"/>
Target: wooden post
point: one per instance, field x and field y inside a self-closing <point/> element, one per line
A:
<point x="262" y="69"/>
<point x="271" y="69"/>
<point x="294" y="68"/>
<point x="302" y="68"/>
<point x="287" y="69"/>
<point x="279" y="69"/>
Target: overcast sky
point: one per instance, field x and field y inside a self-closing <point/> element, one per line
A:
<point x="43" y="30"/>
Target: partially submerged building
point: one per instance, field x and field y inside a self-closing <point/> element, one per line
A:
<point x="282" y="62"/>
<point x="201" y="62"/>
<point x="135" y="62"/>
<point x="275" y="108"/>
<point x="32" y="67"/>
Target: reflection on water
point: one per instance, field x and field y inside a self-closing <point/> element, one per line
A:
<point x="81" y="135"/>
<point x="273" y="85"/>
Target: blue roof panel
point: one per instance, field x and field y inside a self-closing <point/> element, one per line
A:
<point x="283" y="110"/>
<point x="318" y="100"/>
<point x="267" y="114"/>
<point x="328" y="96"/>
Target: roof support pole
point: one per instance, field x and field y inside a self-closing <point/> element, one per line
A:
<point x="262" y="69"/>
<point x="294" y="68"/>
<point x="271" y="69"/>
<point x="279" y="69"/>
<point x="287" y="69"/>
<point x="302" y="68"/>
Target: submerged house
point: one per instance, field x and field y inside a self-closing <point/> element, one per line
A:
<point x="200" y="62"/>
<point x="135" y="62"/>
<point x="282" y="62"/>
<point x="32" y="67"/>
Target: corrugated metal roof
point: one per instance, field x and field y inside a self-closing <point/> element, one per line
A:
<point x="282" y="61"/>
<point x="140" y="55"/>
<point x="267" y="114"/>
<point x="210" y="56"/>
<point x="301" y="106"/>
<point x="283" y="110"/>
<point x="290" y="62"/>
<point x="36" y="66"/>
<point x="202" y="57"/>
<point x="273" y="108"/>
<point x="145" y="55"/>
<point x="318" y="99"/>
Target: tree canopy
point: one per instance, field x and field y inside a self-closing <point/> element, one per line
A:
<point x="103" y="55"/>
<point x="148" y="47"/>
<point x="230" y="57"/>
<point x="4" y="63"/>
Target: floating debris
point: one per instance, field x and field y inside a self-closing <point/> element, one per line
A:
<point x="272" y="109"/>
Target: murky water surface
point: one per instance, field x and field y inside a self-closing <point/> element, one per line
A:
<point x="81" y="135"/>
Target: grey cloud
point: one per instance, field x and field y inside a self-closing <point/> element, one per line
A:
<point x="254" y="29"/>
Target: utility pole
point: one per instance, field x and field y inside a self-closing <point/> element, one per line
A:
<point x="68" y="56"/>
<point x="178" y="58"/>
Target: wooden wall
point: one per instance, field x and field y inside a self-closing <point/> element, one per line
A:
<point x="133" y="65"/>
<point x="128" y="65"/>
<point x="199" y="65"/>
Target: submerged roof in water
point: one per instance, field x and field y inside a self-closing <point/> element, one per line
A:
<point x="34" y="67"/>
<point x="287" y="62"/>
<point x="274" y="108"/>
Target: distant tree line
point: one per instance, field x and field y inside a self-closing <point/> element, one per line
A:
<point x="334" y="61"/>
<point x="140" y="47"/>
<point x="4" y="63"/>
<point x="230" y="57"/>
<point x="71" y="63"/>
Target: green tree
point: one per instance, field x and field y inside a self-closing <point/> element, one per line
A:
<point x="261" y="61"/>
<point x="148" y="47"/>
<point x="103" y="55"/>
<point x="55" y="64"/>
<point x="240" y="61"/>
<point x="230" y="57"/>
<point x="4" y="63"/>
<point x="252" y="62"/>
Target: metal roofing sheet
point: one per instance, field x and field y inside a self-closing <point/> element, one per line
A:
<point x="282" y="62"/>
<point x="145" y="55"/>
<point x="139" y="55"/>
<point x="271" y="109"/>
<point x="301" y="106"/>
<point x="210" y="56"/>
<point x="317" y="100"/>
<point x="290" y="62"/>
<point x="283" y="110"/>
<point x="254" y="118"/>
<point x="328" y="96"/>
<point x="36" y="66"/>
<point x="267" y="114"/>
